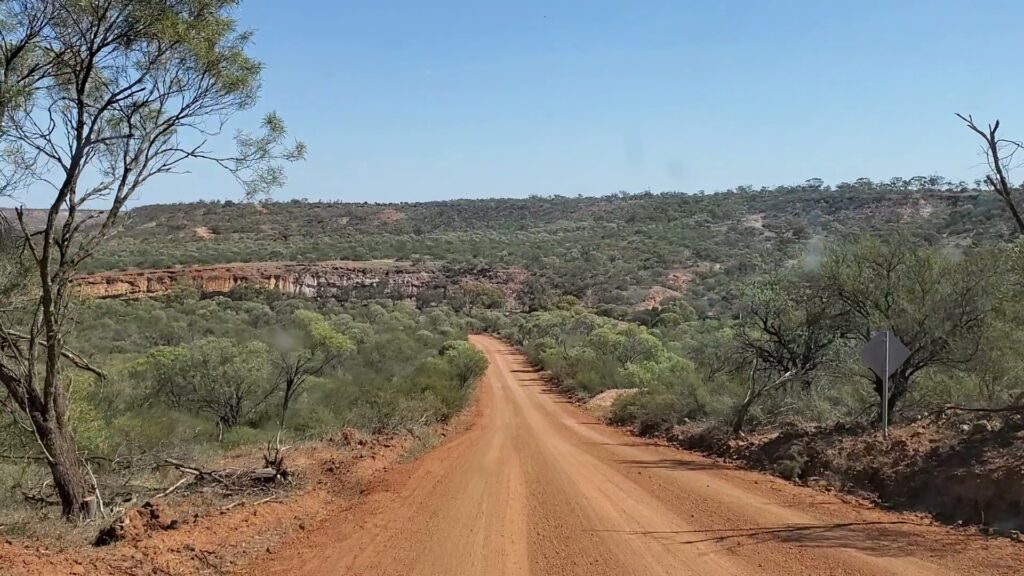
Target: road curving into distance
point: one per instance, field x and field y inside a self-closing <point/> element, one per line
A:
<point x="536" y="486"/>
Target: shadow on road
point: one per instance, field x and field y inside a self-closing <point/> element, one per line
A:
<point x="632" y="444"/>
<point x="676" y="464"/>
<point x="879" y="538"/>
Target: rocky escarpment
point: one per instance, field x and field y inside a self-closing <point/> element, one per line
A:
<point x="339" y="279"/>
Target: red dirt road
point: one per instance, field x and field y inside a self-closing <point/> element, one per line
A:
<point x="536" y="486"/>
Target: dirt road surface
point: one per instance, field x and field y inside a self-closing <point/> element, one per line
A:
<point x="536" y="486"/>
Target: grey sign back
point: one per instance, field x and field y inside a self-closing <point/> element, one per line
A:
<point x="873" y="354"/>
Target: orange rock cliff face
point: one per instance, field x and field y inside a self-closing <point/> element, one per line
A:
<point x="357" y="279"/>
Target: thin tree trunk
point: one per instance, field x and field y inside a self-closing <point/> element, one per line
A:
<point x="285" y="403"/>
<point x="740" y="417"/>
<point x="52" y="430"/>
<point x="70" y="478"/>
<point x="898" y="388"/>
<point x="753" y="394"/>
<point x="741" y="412"/>
<point x="1008" y="199"/>
<point x="291" y="388"/>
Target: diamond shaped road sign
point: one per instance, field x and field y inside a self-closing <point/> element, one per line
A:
<point x="874" y="353"/>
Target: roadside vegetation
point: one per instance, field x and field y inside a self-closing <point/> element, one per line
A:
<point x="97" y="99"/>
<point x="792" y="350"/>
<point x="775" y="379"/>
<point x="780" y="384"/>
<point x="190" y="379"/>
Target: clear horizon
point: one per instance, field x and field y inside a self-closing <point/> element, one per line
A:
<point x="416" y="102"/>
<point x="278" y="198"/>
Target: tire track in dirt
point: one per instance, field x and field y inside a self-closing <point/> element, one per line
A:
<point x="535" y="486"/>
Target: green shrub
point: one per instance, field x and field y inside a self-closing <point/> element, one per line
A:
<point x="791" y="465"/>
<point x="649" y="412"/>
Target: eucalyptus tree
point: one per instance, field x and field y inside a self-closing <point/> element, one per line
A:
<point x="305" y="349"/>
<point x="940" y="306"/>
<point x="218" y="377"/>
<point x="26" y="60"/>
<point x="790" y="330"/>
<point x="122" y="91"/>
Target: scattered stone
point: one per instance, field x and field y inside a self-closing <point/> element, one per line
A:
<point x="350" y="436"/>
<point x="78" y="569"/>
<point x="601" y="404"/>
<point x="816" y="482"/>
<point x="980" y="427"/>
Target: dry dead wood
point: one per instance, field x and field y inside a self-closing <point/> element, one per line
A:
<point x="232" y="480"/>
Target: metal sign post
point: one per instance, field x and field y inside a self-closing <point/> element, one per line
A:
<point x="885" y="391"/>
<point x="884" y="354"/>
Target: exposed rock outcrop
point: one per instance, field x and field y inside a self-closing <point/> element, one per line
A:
<point x="338" y="278"/>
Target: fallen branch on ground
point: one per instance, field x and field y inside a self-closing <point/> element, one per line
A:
<point x="172" y="488"/>
<point x="38" y="499"/>
<point x="244" y="503"/>
<point x="951" y="407"/>
<point x="231" y="480"/>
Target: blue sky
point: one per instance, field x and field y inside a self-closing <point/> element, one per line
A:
<point x="405" y="101"/>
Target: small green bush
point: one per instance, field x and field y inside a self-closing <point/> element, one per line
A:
<point x="649" y="412"/>
<point x="791" y="466"/>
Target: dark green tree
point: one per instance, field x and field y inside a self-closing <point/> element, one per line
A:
<point x="213" y="376"/>
<point x="790" y="328"/>
<point x="939" y="306"/>
<point x="305" y="350"/>
<point x="464" y="360"/>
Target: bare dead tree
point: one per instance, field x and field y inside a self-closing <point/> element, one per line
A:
<point x="999" y="154"/>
